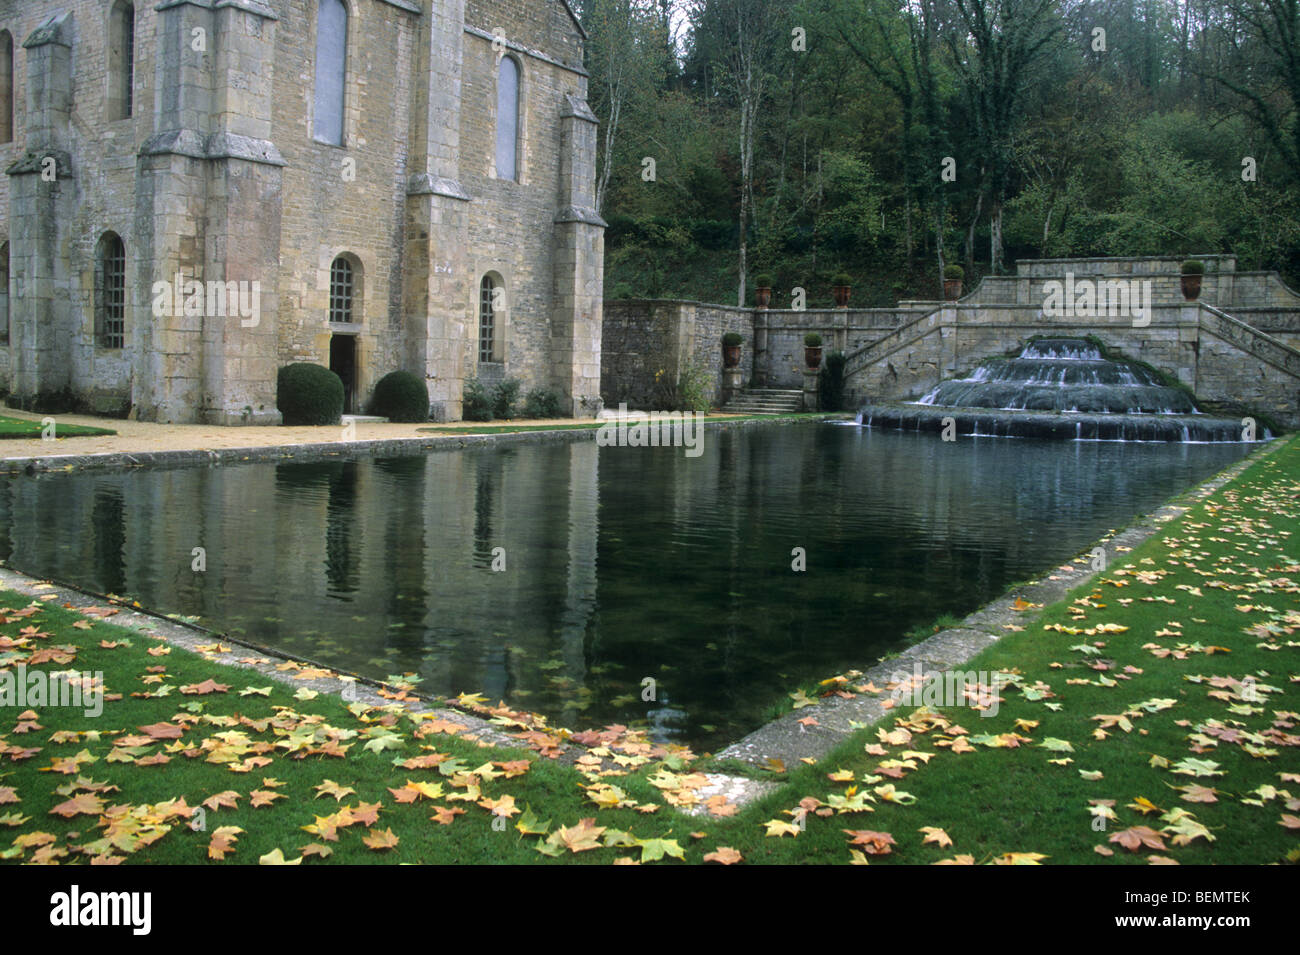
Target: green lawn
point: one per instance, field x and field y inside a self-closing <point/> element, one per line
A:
<point x="1125" y="714"/>
<point x="23" y="428"/>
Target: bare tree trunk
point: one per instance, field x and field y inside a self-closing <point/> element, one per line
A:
<point x="995" y="238"/>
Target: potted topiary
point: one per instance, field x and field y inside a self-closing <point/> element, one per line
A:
<point x="763" y="291"/>
<point x="952" y="280"/>
<point x="731" y="349"/>
<point x="812" y="350"/>
<point x="1193" y="272"/>
<point x="841" y="286"/>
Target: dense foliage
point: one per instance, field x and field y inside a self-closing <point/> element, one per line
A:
<point x="401" y="396"/>
<point x="890" y="138"/>
<point x="830" y="382"/>
<point x="543" y="403"/>
<point x="308" y="394"/>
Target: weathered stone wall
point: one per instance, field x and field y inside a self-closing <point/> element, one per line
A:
<point x="347" y="199"/>
<point x="643" y="336"/>
<point x="220" y="176"/>
<point x="1220" y="358"/>
<point x="1245" y="359"/>
<point x="52" y="343"/>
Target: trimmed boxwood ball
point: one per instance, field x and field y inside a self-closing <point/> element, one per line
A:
<point x="401" y="396"/>
<point x="953" y="272"/>
<point x="308" y="394"/>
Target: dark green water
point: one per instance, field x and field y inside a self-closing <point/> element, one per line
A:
<point x="620" y="563"/>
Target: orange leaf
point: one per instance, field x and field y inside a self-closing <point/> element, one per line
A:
<point x="723" y="855"/>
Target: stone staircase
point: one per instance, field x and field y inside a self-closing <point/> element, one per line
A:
<point x="765" y="401"/>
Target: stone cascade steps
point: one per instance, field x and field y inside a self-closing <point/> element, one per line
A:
<point x="766" y="401"/>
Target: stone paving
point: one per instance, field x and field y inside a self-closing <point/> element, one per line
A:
<point x="140" y="443"/>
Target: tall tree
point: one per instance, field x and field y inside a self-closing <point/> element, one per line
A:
<point x="994" y="50"/>
<point x="624" y="53"/>
<point x="1266" y="74"/>
<point x="746" y="33"/>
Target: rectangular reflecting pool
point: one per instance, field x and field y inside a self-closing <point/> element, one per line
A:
<point x="558" y="576"/>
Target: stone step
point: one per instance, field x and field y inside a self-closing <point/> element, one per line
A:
<point x="766" y="401"/>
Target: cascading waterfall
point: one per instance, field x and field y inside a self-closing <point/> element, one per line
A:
<point x="1062" y="374"/>
<point x="1062" y="388"/>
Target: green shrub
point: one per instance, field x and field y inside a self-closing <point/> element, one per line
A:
<point x="954" y="272"/>
<point x="842" y="279"/>
<point x="543" y="403"/>
<point x="401" y="396"/>
<point x="813" y="340"/>
<point x="308" y="394"/>
<point x="830" y="382"/>
<point x="505" y="399"/>
<point x="1193" y="267"/>
<point x="476" y="402"/>
<point x="694" y="387"/>
<point x="732" y="339"/>
<point x="763" y="280"/>
<point x="692" y="391"/>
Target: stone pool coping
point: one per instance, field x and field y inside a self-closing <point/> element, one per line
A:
<point x="309" y="451"/>
<point x="788" y="740"/>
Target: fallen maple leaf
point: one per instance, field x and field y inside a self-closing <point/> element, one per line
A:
<point x="223" y="842"/>
<point x="204" y="688"/>
<point x="873" y="843"/>
<point x="223" y="800"/>
<point x="723" y="855"/>
<point x="1135" y="837"/>
<point x="276" y="857"/>
<point x="83" y="804"/>
<point x="936" y="835"/>
<point x="380" y="840"/>
<point x="330" y="788"/>
<point x="163" y="730"/>
<point x="580" y="838"/>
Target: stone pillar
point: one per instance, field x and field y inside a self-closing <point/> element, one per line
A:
<point x="42" y="207"/>
<point x="810" y="400"/>
<point x="214" y="221"/>
<point x="579" y="264"/>
<point x="241" y="237"/>
<point x="438" y="286"/>
<point x="761" y="359"/>
<point x="731" y="383"/>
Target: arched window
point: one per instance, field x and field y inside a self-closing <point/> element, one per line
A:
<point x="6" y="87"/>
<point x="508" y="119"/>
<point x="4" y="293"/>
<point x="121" y="60"/>
<point x="490" y="294"/>
<point x="110" y="291"/>
<point x="331" y="70"/>
<point x="343" y="289"/>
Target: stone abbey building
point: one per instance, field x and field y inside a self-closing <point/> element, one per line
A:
<point x="197" y="192"/>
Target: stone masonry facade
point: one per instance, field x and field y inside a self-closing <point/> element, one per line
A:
<point x="1237" y="345"/>
<point x="190" y="140"/>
